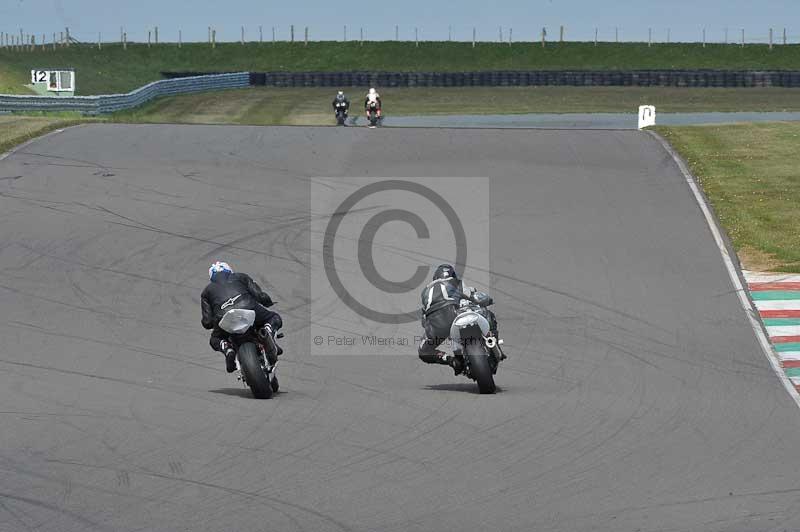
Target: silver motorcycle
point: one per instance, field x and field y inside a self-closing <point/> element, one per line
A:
<point x="475" y="344"/>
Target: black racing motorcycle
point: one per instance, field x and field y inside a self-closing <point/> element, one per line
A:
<point x="256" y="356"/>
<point x="341" y="113"/>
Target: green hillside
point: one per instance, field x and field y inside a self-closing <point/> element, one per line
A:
<point x="113" y="69"/>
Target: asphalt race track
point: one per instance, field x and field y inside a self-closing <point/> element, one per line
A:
<point x="636" y="398"/>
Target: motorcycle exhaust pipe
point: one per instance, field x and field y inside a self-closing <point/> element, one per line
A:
<point x="490" y="341"/>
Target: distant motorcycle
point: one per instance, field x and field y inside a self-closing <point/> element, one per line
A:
<point x="373" y="114"/>
<point x="255" y="366"/>
<point x="341" y="113"/>
<point x="478" y="349"/>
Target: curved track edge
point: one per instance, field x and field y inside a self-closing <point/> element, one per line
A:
<point x="731" y="265"/>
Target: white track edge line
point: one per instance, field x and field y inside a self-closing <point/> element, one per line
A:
<point x="750" y="311"/>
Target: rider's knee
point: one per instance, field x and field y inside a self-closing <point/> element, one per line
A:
<point x="427" y="351"/>
<point x="215" y="342"/>
<point x="276" y="321"/>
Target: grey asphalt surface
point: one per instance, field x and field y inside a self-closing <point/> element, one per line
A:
<point x="636" y="398"/>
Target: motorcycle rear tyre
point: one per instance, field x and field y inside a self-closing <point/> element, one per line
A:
<point x="479" y="368"/>
<point x="252" y="371"/>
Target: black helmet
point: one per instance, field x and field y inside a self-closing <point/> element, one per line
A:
<point x="445" y="271"/>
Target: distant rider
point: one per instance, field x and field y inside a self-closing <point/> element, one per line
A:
<point x="440" y="301"/>
<point x="237" y="290"/>
<point x="372" y="102"/>
<point x="341" y="102"/>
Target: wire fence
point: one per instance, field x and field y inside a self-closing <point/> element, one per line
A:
<point x="21" y="40"/>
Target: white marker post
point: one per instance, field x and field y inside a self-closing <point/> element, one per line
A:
<point x="647" y="116"/>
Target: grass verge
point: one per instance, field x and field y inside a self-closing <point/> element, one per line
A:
<point x="311" y="106"/>
<point x="14" y="129"/>
<point x="113" y="69"/>
<point x="749" y="173"/>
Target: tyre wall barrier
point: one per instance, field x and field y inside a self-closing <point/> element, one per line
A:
<point x="574" y="78"/>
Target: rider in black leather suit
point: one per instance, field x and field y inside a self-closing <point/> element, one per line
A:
<point x="440" y="301"/>
<point x="237" y="290"/>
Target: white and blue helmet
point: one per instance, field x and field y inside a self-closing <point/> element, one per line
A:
<point x="218" y="267"/>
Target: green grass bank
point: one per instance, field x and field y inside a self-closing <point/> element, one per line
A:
<point x="113" y="70"/>
<point x="750" y="174"/>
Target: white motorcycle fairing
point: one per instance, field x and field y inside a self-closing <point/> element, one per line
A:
<point x="465" y="320"/>
<point x="237" y="321"/>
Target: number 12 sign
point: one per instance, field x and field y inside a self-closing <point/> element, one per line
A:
<point x="40" y="76"/>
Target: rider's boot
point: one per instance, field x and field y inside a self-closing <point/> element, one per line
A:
<point x="272" y="348"/>
<point x="230" y="356"/>
<point x="450" y="360"/>
<point x="498" y="347"/>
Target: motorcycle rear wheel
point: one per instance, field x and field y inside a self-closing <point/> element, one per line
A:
<point x="479" y="368"/>
<point x="252" y="371"/>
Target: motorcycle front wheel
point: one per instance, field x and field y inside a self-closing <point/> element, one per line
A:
<point x="252" y="371"/>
